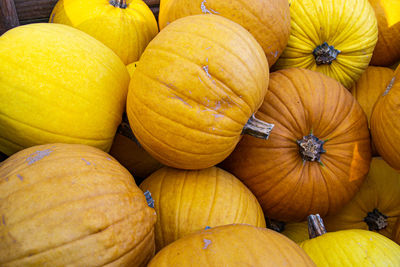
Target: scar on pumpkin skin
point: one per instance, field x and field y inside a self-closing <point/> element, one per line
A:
<point x="87" y="162"/>
<point x="207" y="242"/>
<point x="3" y="219"/>
<point x="38" y="155"/>
<point x="20" y="177"/>
<point x="205" y="10"/>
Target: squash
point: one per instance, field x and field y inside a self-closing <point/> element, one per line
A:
<point x="369" y="87"/>
<point x="375" y="207"/>
<point x="318" y="153"/>
<point x="268" y="21"/>
<point x="232" y="245"/>
<point x="387" y="50"/>
<point x="350" y="248"/>
<point x="187" y="201"/>
<point x="58" y="84"/>
<point x="385" y="123"/>
<point x="125" y="26"/>
<point x="296" y="231"/>
<point x="195" y="88"/>
<point x="71" y="204"/>
<point x="334" y="37"/>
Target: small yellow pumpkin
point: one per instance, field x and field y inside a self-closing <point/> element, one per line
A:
<point x="58" y="84"/>
<point x="125" y="26"/>
<point x="187" y="201"/>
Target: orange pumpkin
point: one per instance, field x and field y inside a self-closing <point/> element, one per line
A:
<point x="369" y="87"/>
<point x="187" y="201"/>
<point x="268" y="21"/>
<point x="375" y="207"/>
<point x="318" y="153"/>
<point x="195" y="88"/>
<point x="232" y="245"/>
<point x="63" y="205"/>
<point x="387" y="50"/>
<point x="385" y="123"/>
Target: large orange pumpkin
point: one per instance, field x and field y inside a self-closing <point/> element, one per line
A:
<point x="335" y="37"/>
<point x="387" y="50"/>
<point x="64" y="204"/>
<point x="58" y="84"/>
<point x="187" y="201"/>
<point x="385" y="123"/>
<point x="232" y="245"/>
<point x="195" y="87"/>
<point x="375" y="207"/>
<point x="125" y="26"/>
<point x="318" y="153"/>
<point x="268" y="21"/>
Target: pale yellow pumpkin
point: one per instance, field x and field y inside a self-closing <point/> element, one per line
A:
<point x="125" y="26"/>
<point x="188" y="201"/>
<point x="58" y="84"/>
<point x="335" y="37"/>
<point x="72" y="205"/>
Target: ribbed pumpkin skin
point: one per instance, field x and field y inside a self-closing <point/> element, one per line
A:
<point x="387" y="50"/>
<point x="232" y="245"/>
<point x="352" y="248"/>
<point x="127" y="31"/>
<point x="64" y="205"/>
<point x="369" y="87"/>
<point x="348" y="25"/>
<point x="381" y="190"/>
<point x="287" y="188"/>
<point x="385" y="123"/>
<point x="188" y="201"/>
<point x="195" y="87"/>
<point x="58" y="84"/>
<point x="268" y="21"/>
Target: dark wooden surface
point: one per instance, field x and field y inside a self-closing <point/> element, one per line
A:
<point x="30" y="11"/>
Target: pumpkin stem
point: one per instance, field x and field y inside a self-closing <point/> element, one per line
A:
<point x="376" y="220"/>
<point x="125" y="129"/>
<point x="119" y="3"/>
<point x="316" y="226"/>
<point x="149" y="199"/>
<point x="325" y="54"/>
<point x="310" y="148"/>
<point x="257" y="128"/>
<point x="277" y="226"/>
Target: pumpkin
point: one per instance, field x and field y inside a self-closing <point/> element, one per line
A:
<point x="350" y="248"/>
<point x="375" y="207"/>
<point x="318" y="153"/>
<point x="195" y="89"/>
<point x="387" y="50"/>
<point x="232" y="245"/>
<point x="190" y="200"/>
<point x="268" y="21"/>
<point x="396" y="232"/>
<point x="71" y="204"/>
<point x="385" y="123"/>
<point x="58" y="84"/>
<point x="296" y="231"/>
<point x="369" y="87"/>
<point x="334" y="37"/>
<point x="125" y="26"/>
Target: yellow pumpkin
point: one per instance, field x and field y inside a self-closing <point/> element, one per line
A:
<point x="232" y="245"/>
<point x="375" y="207"/>
<point x="125" y="26"/>
<point x="72" y="205"/>
<point x="369" y="87"/>
<point x="387" y="50"/>
<point x="268" y="21"/>
<point x="351" y="248"/>
<point x="296" y="231"/>
<point x="58" y="84"/>
<point x="334" y="37"/>
<point x="385" y="123"/>
<point x="195" y="89"/>
<point x="187" y="201"/>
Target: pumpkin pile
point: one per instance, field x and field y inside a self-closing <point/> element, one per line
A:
<point x="220" y="133"/>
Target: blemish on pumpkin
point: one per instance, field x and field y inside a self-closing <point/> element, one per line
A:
<point x="205" y="68"/>
<point x="207" y="227"/>
<point x="108" y="158"/>
<point x="3" y="219"/>
<point x="87" y="162"/>
<point x="208" y="47"/>
<point x="20" y="177"/>
<point x="38" y="155"/>
<point x="218" y="115"/>
<point x="181" y="99"/>
<point x="52" y="17"/>
<point x="389" y="86"/>
<point x="275" y="54"/>
<point x="207" y="242"/>
<point x="205" y="10"/>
